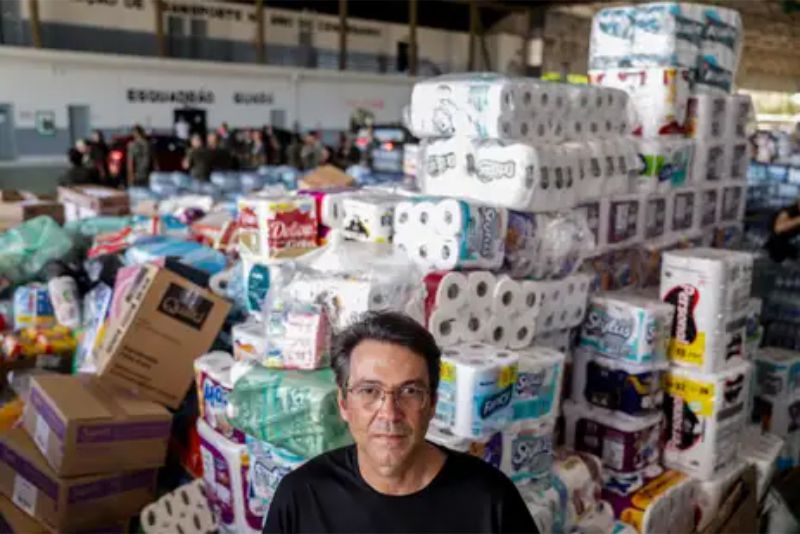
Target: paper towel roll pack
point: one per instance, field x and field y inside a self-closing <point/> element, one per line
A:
<point x="476" y="389"/>
<point x="622" y="442"/>
<point x="617" y="385"/>
<point x="704" y="414"/>
<point x="611" y="38"/>
<point x="622" y="213"/>
<point x="449" y="234"/>
<point x="276" y="227"/>
<point x="737" y="156"/>
<point x="268" y="466"/>
<point x="709" y="161"/>
<point x="214" y="385"/>
<point x="537" y="390"/>
<point x="667" y="164"/>
<point x="709" y="289"/>
<point x="225" y="471"/>
<point x="627" y="327"/>
<point x="656" y="216"/>
<point x="777" y="373"/>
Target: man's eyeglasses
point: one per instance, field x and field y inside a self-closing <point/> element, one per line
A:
<point x="371" y="397"/>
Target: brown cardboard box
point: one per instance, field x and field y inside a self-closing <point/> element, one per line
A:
<point x="83" y="428"/>
<point x="163" y="323"/>
<point x="68" y="504"/>
<point x="18" y="206"/>
<point x="92" y="200"/>
<point x="326" y="177"/>
<point x="14" y="520"/>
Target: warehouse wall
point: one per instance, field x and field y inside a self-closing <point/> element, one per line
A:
<point x="121" y="91"/>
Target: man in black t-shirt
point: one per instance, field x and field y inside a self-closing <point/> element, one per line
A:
<point x="784" y="228"/>
<point x="392" y="480"/>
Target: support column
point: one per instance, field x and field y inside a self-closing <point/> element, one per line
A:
<point x="35" y="22"/>
<point x="342" y="34"/>
<point x="261" y="55"/>
<point x="161" y="42"/>
<point x="413" y="52"/>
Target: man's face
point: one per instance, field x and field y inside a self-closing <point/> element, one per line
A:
<point x="212" y="140"/>
<point x="392" y="430"/>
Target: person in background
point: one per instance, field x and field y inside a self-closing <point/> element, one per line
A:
<point x="392" y="479"/>
<point x="294" y="152"/>
<point x="274" y="148"/>
<point x="326" y="158"/>
<point x="224" y="133"/>
<point x="78" y="173"/>
<point x="98" y="155"/>
<point x="311" y="153"/>
<point x="784" y="228"/>
<point x="258" y="150"/>
<point x="198" y="159"/>
<point x="140" y="158"/>
<point x="182" y="129"/>
<point x="221" y="158"/>
<point x="347" y="153"/>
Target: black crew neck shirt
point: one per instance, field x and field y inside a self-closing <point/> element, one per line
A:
<point x="328" y="494"/>
<point x="779" y="246"/>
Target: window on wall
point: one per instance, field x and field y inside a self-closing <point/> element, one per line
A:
<point x="175" y="36"/>
<point x="198" y="35"/>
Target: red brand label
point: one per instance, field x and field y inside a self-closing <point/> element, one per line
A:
<point x="293" y="229"/>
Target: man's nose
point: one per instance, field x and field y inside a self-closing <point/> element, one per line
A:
<point x="388" y="408"/>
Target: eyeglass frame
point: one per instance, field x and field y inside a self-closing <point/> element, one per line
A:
<point x="393" y="393"/>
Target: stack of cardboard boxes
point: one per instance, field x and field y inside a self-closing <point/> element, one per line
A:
<point x="90" y="446"/>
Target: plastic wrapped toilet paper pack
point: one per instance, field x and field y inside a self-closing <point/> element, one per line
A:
<point x="732" y="206"/>
<point x="476" y="389"/>
<point x="275" y="227"/>
<point x="627" y="327"/>
<point x="527" y="454"/>
<point x="762" y="450"/>
<point x="777" y="373"/>
<point x="623" y="443"/>
<point x="704" y="415"/>
<point x="225" y="472"/>
<point x="611" y="38"/>
<point x="294" y="410"/>
<point x="685" y="211"/>
<point x="268" y="466"/>
<point x="706" y="117"/>
<point x="738" y="113"/>
<point x="563" y="302"/>
<point x="622" y="213"/>
<point x="709" y="289"/>
<point x="249" y="341"/>
<point x="711" y="493"/>
<point x="368" y="218"/>
<point x="537" y="390"/>
<point x="667" y="164"/>
<point x="710" y="203"/>
<point x="709" y="163"/>
<point x="214" y="385"/>
<point x="666" y="34"/>
<point x="720" y="50"/>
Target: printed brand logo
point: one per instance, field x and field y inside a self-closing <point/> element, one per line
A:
<point x="494" y="403"/>
<point x="530" y="384"/>
<point x="214" y="395"/>
<point x="248" y="217"/>
<point x="489" y="231"/>
<point x="721" y="33"/>
<point x="488" y="170"/>
<point x="599" y="323"/>
<point x="688" y="29"/>
<point x="713" y="75"/>
<point x="292" y="229"/>
<point x="438" y="164"/>
<point x="684" y="298"/>
<point x="185" y="305"/>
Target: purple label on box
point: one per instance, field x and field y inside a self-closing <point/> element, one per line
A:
<point x="27" y="470"/>
<point x="111" y="486"/>
<point x="123" y="432"/>
<point x="46" y="412"/>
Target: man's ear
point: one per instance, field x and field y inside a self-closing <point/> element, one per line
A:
<point x="342" y="402"/>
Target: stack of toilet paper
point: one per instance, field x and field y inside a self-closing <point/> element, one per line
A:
<point x="720" y="50"/>
<point x="705" y="414"/>
<point x="214" y="385"/>
<point x="268" y="465"/>
<point x="369" y="218"/>
<point x="777" y="390"/>
<point x="615" y="221"/>
<point x="276" y="227"/>
<point x="479" y="306"/>
<point x="709" y="289"/>
<point x="449" y="234"/>
<point x="546" y="245"/>
<point x="562" y="303"/>
<point x="537" y="391"/>
<point x="667" y="164"/>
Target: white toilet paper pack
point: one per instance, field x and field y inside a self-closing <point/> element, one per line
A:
<point x="537" y="391"/>
<point x="737" y="157"/>
<point x="528" y="450"/>
<point x="709" y="289"/>
<point x="738" y="112"/>
<point x="720" y="50"/>
<point x="225" y="472"/>
<point x="666" y="34"/>
<point x="658" y="95"/>
<point x="709" y="163"/>
<point x="762" y="450"/>
<point x="704" y="415"/>
<point x="627" y="327"/>
<point x="712" y="493"/>
<point x="706" y="117"/>
<point x="656" y="218"/>
<point x="623" y="218"/>
<point x="611" y="38"/>
<point x="214" y="385"/>
<point x="368" y="218"/>
<point x="777" y="373"/>
<point x="732" y="205"/>
<point x="667" y="164"/>
<point x="563" y="302"/>
<point x="268" y="465"/>
<point x="276" y="227"/>
<point x="710" y="203"/>
<point x="685" y="211"/>
<point x="476" y="389"/>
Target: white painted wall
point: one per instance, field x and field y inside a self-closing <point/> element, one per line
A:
<point x="52" y="80"/>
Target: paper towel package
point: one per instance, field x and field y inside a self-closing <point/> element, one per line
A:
<point x="664" y="504"/>
<point x="659" y="96"/>
<point x="476" y="389"/>
<point x="630" y="388"/>
<point x="711" y="493"/>
<point x="268" y="466"/>
<point x="732" y="206"/>
<point x="368" y="218"/>
<point x="623" y="443"/>
<point x="777" y="373"/>
<point x="276" y="227"/>
<point x="709" y="289"/>
<point x="225" y="472"/>
<point x="667" y="164"/>
<point x="779" y="416"/>
<point x="704" y="415"/>
<point x="537" y="391"/>
<point x="627" y="327"/>
<point x="610" y="41"/>
<point x="706" y="117"/>
<point x="214" y="385"/>
<point x="738" y="157"/>
<point x="666" y="34"/>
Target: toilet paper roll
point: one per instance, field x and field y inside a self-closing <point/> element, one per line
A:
<point x="480" y="290"/>
<point x="422" y="216"/>
<point x="475" y="390"/>
<point x="498" y="330"/>
<point x="530" y="303"/>
<point x="506" y="296"/>
<point x="709" y="162"/>
<point x="424" y="253"/>
<point x="522" y="331"/>
<point x="225" y="467"/>
<point x="706" y="117"/>
<point x="445" y="290"/>
<point x="447" y="327"/>
<point x="476" y="325"/>
<point x="451" y="217"/>
<point x="403" y="216"/>
<point x="446" y="252"/>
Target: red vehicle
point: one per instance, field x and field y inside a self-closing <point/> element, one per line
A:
<point x="168" y="153"/>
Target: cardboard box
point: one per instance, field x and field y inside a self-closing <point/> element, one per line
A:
<point x="14" y="520"/>
<point x="326" y="177"/>
<point x="18" y="206"/>
<point x="83" y="428"/>
<point x="156" y="331"/>
<point x="82" y="201"/>
<point x="68" y="504"/>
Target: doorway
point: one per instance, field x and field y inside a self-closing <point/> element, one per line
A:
<point x="79" y="122"/>
<point x="8" y="146"/>
<point x="196" y="118"/>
